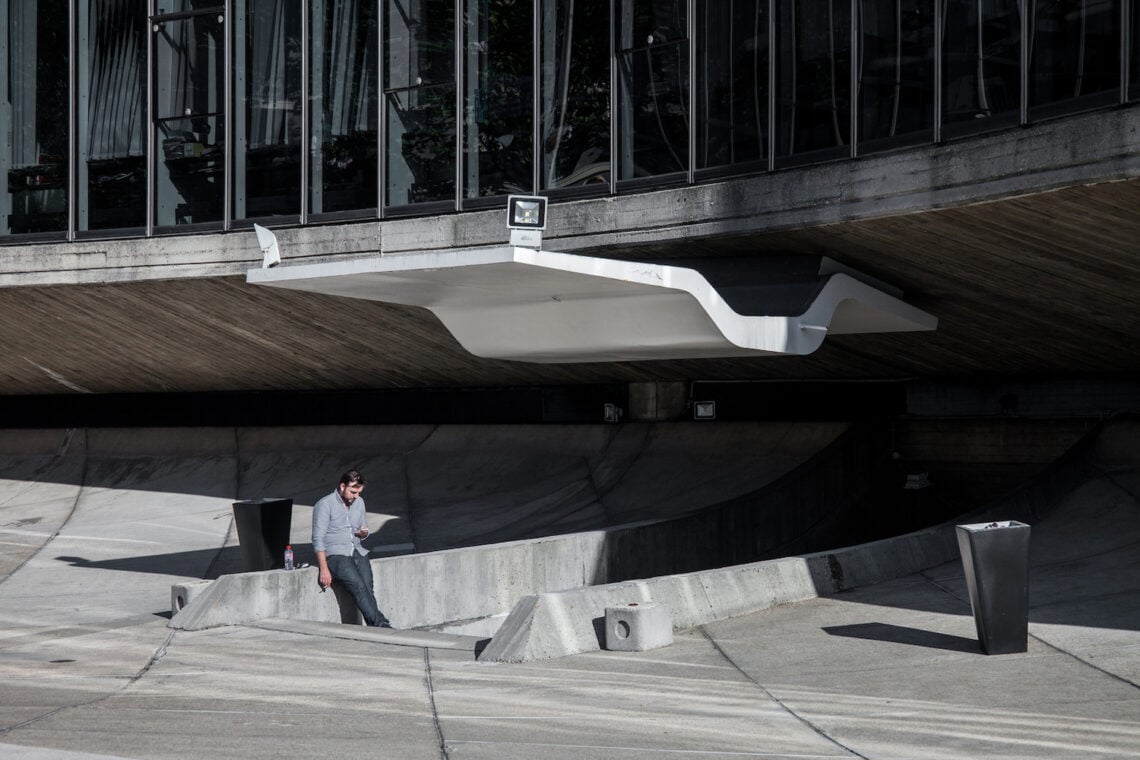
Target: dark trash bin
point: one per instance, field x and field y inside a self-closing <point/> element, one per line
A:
<point x="995" y="558"/>
<point x="263" y="532"/>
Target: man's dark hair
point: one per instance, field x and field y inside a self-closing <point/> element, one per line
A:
<point x="351" y="478"/>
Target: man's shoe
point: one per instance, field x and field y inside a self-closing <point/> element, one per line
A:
<point x="385" y="624"/>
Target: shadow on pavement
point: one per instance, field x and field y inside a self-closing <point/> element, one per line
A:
<point x="903" y="635"/>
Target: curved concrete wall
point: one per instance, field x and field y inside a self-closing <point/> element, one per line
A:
<point x="443" y="587"/>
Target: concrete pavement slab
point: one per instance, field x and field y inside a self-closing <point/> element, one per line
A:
<point x="886" y="671"/>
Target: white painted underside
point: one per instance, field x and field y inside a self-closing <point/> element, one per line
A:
<point x="541" y="306"/>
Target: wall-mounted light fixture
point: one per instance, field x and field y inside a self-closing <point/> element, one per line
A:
<point x="704" y="410"/>
<point x="526" y="219"/>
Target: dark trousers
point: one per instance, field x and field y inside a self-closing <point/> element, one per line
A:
<point x="355" y="574"/>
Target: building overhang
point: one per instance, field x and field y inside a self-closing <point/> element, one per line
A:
<point x="548" y="307"/>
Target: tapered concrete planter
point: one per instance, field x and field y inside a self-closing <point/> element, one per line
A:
<point x="263" y="532"/>
<point x="995" y="558"/>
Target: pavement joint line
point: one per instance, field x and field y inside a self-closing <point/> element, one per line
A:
<point x="776" y="699"/>
<point x="654" y="750"/>
<point x="434" y="711"/>
<point x="154" y="658"/>
<point x="1085" y="662"/>
<point x="70" y="512"/>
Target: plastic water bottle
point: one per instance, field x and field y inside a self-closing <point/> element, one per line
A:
<point x="289" y="557"/>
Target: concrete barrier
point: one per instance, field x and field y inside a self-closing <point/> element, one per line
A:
<point x="432" y="589"/>
<point x="638" y="626"/>
<point x="556" y="624"/>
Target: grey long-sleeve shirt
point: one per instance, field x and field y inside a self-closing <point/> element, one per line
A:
<point x="335" y="526"/>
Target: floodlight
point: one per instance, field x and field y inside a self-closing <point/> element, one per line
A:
<point x="526" y="212"/>
<point x="526" y="219"/>
<point x="704" y="410"/>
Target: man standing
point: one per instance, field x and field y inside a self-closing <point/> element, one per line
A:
<point x="338" y="525"/>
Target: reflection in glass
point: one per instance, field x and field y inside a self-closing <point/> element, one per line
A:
<point x="1075" y="49"/>
<point x="164" y="7"/>
<point x="344" y="115"/>
<point x="189" y="102"/>
<point x="575" y="93"/>
<point x="498" y="110"/>
<point x="813" y="77"/>
<point x="732" y="82"/>
<point x="267" y="109"/>
<point x="896" y="69"/>
<point x="419" y="67"/>
<point x="34" y="116"/>
<point x="1134" y="47"/>
<point x="653" y="88"/>
<point x="981" y="60"/>
<point x="112" y="115"/>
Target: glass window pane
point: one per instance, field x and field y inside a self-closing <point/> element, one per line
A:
<point x="189" y="139"/>
<point x="267" y="76"/>
<point x="645" y="21"/>
<point x="1075" y="50"/>
<point x="732" y="82"/>
<point x="34" y="117"/>
<point x="420" y="118"/>
<point x="981" y="61"/>
<point x="163" y="7"/>
<point x="653" y="88"/>
<point x="896" y="73"/>
<point x="498" y="98"/>
<point x="813" y="77"/>
<point x="345" y="67"/>
<point x="1134" y="46"/>
<point x="112" y="114"/>
<point x="421" y="145"/>
<point x="419" y="43"/>
<point x="575" y="93"/>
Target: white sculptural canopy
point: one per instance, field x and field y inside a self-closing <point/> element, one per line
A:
<point x="542" y="306"/>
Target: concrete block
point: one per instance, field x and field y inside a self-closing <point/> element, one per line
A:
<point x="181" y="594"/>
<point x="638" y="626"/>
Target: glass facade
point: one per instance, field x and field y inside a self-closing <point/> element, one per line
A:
<point x="344" y="113"/>
<point x="34" y="115"/>
<point x="189" y="146"/>
<point x="111" y="116"/>
<point x="895" y="72"/>
<point x="653" y="89"/>
<point x="141" y="117"/>
<point x="575" y="94"/>
<point x="981" y="54"/>
<point x="1075" y="51"/>
<point x="731" y="83"/>
<point x="498" y="98"/>
<point x="813" y="79"/>
<point x="267" y="108"/>
<point x="419" y="102"/>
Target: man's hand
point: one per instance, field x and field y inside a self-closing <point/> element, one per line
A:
<point x="363" y="532"/>
<point x="324" y="575"/>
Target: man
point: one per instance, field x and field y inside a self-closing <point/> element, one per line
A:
<point x="338" y="526"/>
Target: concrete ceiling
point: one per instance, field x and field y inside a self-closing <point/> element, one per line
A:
<point x="1044" y="284"/>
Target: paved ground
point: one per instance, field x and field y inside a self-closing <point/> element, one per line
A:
<point x="90" y="669"/>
